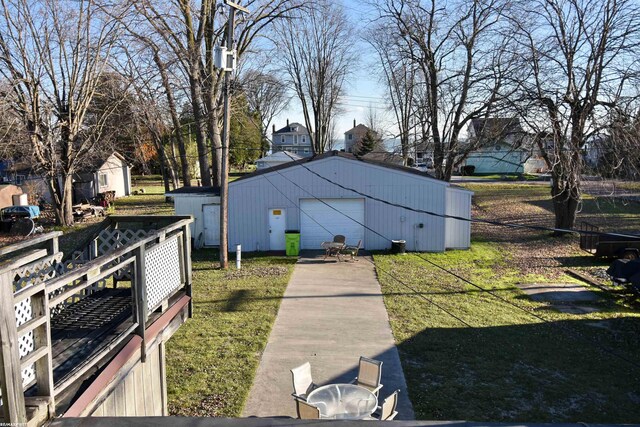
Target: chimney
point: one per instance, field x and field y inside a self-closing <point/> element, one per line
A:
<point x="287" y="122"/>
<point x="274" y="129"/>
<point x="354" y="122"/>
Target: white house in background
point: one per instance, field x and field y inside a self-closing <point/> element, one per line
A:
<point x="110" y="173"/>
<point x="501" y="144"/>
<point x="203" y="203"/>
<point x="291" y="196"/>
<point x="293" y="138"/>
<point x="275" y="159"/>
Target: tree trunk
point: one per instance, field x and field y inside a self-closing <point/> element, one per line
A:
<point x="566" y="198"/>
<point x="201" y="130"/>
<point x="62" y="199"/>
<point x="186" y="174"/>
<point x="213" y="125"/>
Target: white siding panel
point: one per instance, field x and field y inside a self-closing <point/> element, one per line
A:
<point x="458" y="232"/>
<point x="250" y="199"/>
<point x="191" y="204"/>
<point x="117" y="176"/>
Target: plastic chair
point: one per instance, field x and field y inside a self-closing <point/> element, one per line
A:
<point x="302" y="381"/>
<point x="387" y="411"/>
<point x="369" y="374"/>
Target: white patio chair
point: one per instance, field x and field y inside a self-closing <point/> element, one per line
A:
<point x="302" y="381"/>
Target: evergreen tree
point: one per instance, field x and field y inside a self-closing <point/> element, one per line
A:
<point x="368" y="143"/>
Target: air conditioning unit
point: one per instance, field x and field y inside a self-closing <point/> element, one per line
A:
<point x="224" y="59"/>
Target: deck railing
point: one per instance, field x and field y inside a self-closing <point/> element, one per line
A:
<point x="41" y="284"/>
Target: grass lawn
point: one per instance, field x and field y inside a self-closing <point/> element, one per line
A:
<point x="504" y="363"/>
<point x="212" y="359"/>
<point x="469" y="355"/>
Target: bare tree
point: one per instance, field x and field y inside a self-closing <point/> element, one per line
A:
<point x="317" y="54"/>
<point x="267" y="96"/>
<point x="582" y="61"/>
<point x="52" y="54"/>
<point x="400" y="76"/>
<point x="459" y="51"/>
<point x="190" y="32"/>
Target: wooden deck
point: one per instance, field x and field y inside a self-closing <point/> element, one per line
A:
<point x="86" y="328"/>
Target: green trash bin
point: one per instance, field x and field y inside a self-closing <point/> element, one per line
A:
<point x="292" y="242"/>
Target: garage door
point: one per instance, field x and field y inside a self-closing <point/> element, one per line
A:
<point x="319" y="222"/>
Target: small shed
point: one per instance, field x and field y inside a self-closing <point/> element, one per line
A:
<point x="276" y="159"/>
<point x="339" y="193"/>
<point x="203" y="203"/>
<point x="6" y="194"/>
<point x="104" y="173"/>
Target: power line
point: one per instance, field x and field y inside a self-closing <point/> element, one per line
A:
<point x="565" y="329"/>
<point x="380" y="269"/>
<point x="459" y="218"/>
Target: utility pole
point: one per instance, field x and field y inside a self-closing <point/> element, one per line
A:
<point x="224" y="185"/>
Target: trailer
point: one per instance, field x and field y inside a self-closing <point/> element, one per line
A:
<point x="608" y="245"/>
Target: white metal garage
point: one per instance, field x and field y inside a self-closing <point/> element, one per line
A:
<point x="373" y="193"/>
<point x="322" y="219"/>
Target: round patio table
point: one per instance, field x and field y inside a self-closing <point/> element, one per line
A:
<point x="343" y="401"/>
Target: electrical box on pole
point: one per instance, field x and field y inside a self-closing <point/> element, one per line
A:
<point x="224" y="58"/>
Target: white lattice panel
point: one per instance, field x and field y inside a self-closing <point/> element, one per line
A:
<point x="162" y="271"/>
<point x="110" y="240"/>
<point x="24" y="313"/>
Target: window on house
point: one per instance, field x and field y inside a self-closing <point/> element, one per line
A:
<point x="102" y="179"/>
<point x="295" y="139"/>
<point x="419" y="155"/>
<point x="306" y="150"/>
<point x="304" y="139"/>
<point x="282" y="138"/>
<point x="19" y="179"/>
<point x="350" y="136"/>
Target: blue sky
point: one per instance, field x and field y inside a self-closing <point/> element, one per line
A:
<point x="363" y="88"/>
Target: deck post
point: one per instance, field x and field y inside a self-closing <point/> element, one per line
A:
<point x="44" y="365"/>
<point x="186" y="249"/>
<point x="141" y="298"/>
<point x="10" y="372"/>
<point x="52" y="245"/>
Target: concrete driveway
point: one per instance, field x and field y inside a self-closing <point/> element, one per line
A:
<point x="331" y="314"/>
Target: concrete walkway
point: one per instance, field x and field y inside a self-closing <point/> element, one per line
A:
<point x="331" y="314"/>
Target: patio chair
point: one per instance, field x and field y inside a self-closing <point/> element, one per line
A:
<point x="302" y="381"/>
<point x="387" y="411"/>
<point x="334" y="247"/>
<point x="307" y="411"/>
<point x="352" y="250"/>
<point x="369" y="374"/>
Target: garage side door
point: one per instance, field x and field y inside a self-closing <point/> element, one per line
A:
<point x="319" y="222"/>
<point x="211" y="217"/>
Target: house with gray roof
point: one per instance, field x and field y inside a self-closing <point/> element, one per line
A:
<point x="293" y="138"/>
<point x="499" y="145"/>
